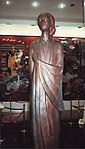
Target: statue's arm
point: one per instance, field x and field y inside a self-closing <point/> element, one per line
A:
<point x="60" y="57"/>
<point x="30" y="63"/>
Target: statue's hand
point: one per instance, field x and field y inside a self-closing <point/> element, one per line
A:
<point x="34" y="57"/>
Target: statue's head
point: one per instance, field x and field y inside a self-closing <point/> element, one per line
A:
<point x="51" y="20"/>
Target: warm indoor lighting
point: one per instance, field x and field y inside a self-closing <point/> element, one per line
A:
<point x="8" y="2"/>
<point x="35" y="4"/>
<point x="84" y="3"/>
<point x="61" y="5"/>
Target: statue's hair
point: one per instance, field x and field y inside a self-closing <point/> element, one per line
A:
<point x="52" y="21"/>
<point x="51" y="18"/>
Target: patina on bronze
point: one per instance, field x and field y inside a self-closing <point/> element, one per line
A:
<point x="46" y="68"/>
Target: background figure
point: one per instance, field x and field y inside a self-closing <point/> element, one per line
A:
<point x="46" y="68"/>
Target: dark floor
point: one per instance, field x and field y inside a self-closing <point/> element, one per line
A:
<point x="71" y="136"/>
<point x="14" y="135"/>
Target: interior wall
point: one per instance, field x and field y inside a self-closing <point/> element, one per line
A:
<point x="28" y="30"/>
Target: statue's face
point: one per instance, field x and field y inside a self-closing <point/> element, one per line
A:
<point x="44" y="22"/>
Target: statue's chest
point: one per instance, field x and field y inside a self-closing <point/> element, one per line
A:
<point x="46" y="51"/>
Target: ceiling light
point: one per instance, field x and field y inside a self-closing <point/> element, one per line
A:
<point x="61" y="5"/>
<point x="7" y="2"/>
<point x="35" y="4"/>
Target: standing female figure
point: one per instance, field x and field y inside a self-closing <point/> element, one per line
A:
<point x="46" y="68"/>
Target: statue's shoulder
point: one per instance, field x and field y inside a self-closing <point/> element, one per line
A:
<point x="34" y="42"/>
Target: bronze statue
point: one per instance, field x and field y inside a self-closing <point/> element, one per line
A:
<point x="46" y="68"/>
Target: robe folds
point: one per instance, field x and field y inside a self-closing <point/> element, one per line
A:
<point x="46" y="68"/>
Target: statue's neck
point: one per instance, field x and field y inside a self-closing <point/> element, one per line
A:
<point x="45" y="37"/>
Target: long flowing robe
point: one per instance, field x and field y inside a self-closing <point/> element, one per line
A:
<point x="45" y="67"/>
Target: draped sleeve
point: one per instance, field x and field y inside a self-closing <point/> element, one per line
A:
<point x="31" y="63"/>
